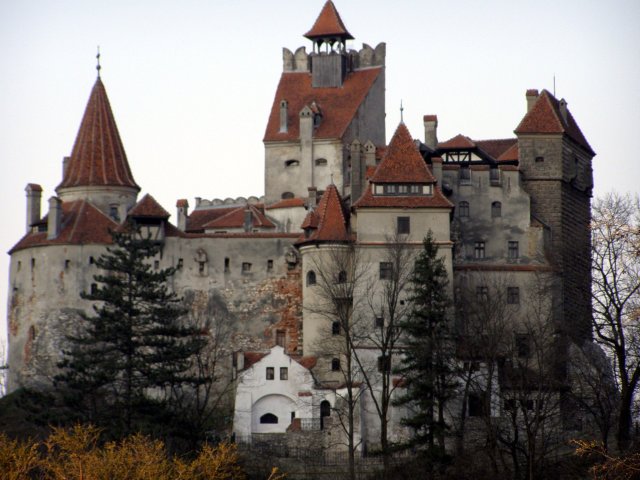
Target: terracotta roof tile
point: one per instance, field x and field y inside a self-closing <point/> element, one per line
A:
<point x="496" y="147"/>
<point x="510" y="155"/>
<point x="198" y="218"/>
<point x="287" y="203"/>
<point x="430" y="118"/>
<point x="328" y="24"/>
<point x="437" y="200"/>
<point x="235" y="219"/>
<point x="459" y="141"/>
<point x="307" y="362"/>
<point x="337" y="110"/>
<point x="251" y="358"/>
<point x="402" y="161"/>
<point x="81" y="223"/>
<point x="182" y="202"/>
<point x="545" y="117"/>
<point x="329" y="218"/>
<point x="148" y="207"/>
<point x="98" y="157"/>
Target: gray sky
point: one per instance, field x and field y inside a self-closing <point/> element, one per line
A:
<point x="191" y="82"/>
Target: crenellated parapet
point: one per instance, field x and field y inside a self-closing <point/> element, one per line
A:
<point x="217" y="202"/>
<point x="366" y="57"/>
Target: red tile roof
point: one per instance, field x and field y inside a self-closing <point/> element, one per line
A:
<point x="251" y="358"/>
<point x="33" y="187"/>
<point x="496" y="147"/>
<point x="328" y="24"/>
<point x="198" y="218"/>
<point x="459" y="141"/>
<point x="369" y="200"/>
<point x="98" y="157"/>
<point x="148" y="207"/>
<point x="545" y="117"/>
<point x="307" y="362"/>
<point x="511" y="154"/>
<point x="430" y="118"/>
<point x="327" y="221"/>
<point x="81" y="223"/>
<point x="338" y="111"/>
<point x="287" y="203"/>
<point x="182" y="202"/>
<point x="235" y="219"/>
<point x="402" y="161"/>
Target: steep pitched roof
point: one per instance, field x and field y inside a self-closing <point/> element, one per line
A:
<point x="148" y="207"/>
<point x="287" y="203"/>
<point x="98" y="157"/>
<point x="511" y="154"/>
<point x="81" y="223"/>
<point x="199" y="218"/>
<point x="545" y="117"/>
<point x="327" y="221"/>
<point x="235" y="219"/>
<point x="402" y="161"/>
<point x="328" y="24"/>
<point x="337" y="110"/>
<point x="496" y="147"/>
<point x="435" y="200"/>
<point x="459" y="141"/>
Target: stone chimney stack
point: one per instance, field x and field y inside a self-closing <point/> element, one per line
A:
<point x="34" y="197"/>
<point x="283" y="116"/>
<point x="563" y="110"/>
<point x="369" y="157"/>
<point x="54" y="220"/>
<point x="532" y="96"/>
<point x="431" y="131"/>
<point x="183" y="212"/>
<point x="313" y="198"/>
<point x="357" y="168"/>
<point x="248" y="219"/>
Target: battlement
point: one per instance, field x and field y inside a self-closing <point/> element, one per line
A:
<point x="366" y="57"/>
<point x="203" y="203"/>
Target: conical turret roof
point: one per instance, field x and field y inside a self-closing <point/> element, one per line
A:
<point x="328" y="25"/>
<point x="98" y="157"/>
<point x="327" y="223"/>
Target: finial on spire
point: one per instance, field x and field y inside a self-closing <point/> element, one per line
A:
<point x="401" y="112"/>
<point x="98" y="67"/>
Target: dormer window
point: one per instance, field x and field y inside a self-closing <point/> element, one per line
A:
<point x="403" y="189"/>
<point x="321" y="162"/>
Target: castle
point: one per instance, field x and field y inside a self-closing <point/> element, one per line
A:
<point x="502" y="212"/>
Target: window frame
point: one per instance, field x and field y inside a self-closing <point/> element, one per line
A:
<point x="270" y="373"/>
<point x="386" y="270"/>
<point x="479" y="250"/>
<point x="284" y="373"/>
<point x="403" y="225"/>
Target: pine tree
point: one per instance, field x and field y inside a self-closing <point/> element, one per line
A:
<point x="125" y="358"/>
<point x="428" y="364"/>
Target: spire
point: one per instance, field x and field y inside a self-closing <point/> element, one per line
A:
<point x="328" y="27"/>
<point x="98" y="67"/>
<point x="98" y="158"/>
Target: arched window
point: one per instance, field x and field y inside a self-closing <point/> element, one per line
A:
<point x="335" y="365"/>
<point x="268" y="418"/>
<point x="342" y="276"/>
<point x="325" y="411"/>
<point x="496" y="209"/>
<point x="463" y="209"/>
<point x="286" y="195"/>
<point x="321" y="162"/>
<point x="292" y="163"/>
<point x="311" y="278"/>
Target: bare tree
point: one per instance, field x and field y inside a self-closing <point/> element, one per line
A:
<point x="615" y="240"/>
<point x="340" y="274"/>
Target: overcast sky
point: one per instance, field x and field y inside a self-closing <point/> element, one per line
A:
<point x="191" y="82"/>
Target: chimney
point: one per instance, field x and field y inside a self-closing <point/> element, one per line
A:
<point x="306" y="123"/>
<point x="369" y="157"/>
<point x="65" y="166"/>
<point x="532" y="96"/>
<point x="563" y="110"/>
<point x="34" y="196"/>
<point x="313" y="198"/>
<point x="183" y="212"/>
<point x="431" y="131"/>
<point x="436" y="169"/>
<point x="356" y="170"/>
<point x="283" y="116"/>
<point x="54" y="218"/>
<point x="248" y="218"/>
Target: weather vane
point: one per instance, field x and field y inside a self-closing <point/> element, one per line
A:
<point x="401" y="112"/>
<point x="98" y="67"/>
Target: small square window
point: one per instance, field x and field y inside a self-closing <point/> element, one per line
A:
<point x="415" y="189"/>
<point x="540" y="159"/>
<point x="478" y="250"/>
<point x="403" y="188"/>
<point x="270" y="373"/>
<point x="246" y="267"/>
<point x="335" y="365"/>
<point x="513" y="295"/>
<point x="386" y="270"/>
<point x="284" y="373"/>
<point x="404" y="225"/>
<point x="514" y="252"/>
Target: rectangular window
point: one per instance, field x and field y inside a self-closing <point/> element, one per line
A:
<point x="523" y="345"/>
<point x="281" y="336"/>
<point x="384" y="363"/>
<point x="379" y="322"/>
<point x="226" y="265"/>
<point x="156" y="264"/>
<point x="269" y="265"/>
<point x="386" y="270"/>
<point x="246" y="267"/>
<point x="482" y="294"/>
<point x="513" y="250"/>
<point x="415" y="189"/>
<point x="390" y="189"/>
<point x="404" y="225"/>
<point x="284" y="373"/>
<point x="478" y="404"/>
<point x="465" y="176"/>
<point x="513" y="295"/>
<point x="478" y="251"/>
<point x="403" y="188"/>
<point x="335" y="328"/>
<point x="270" y="373"/>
